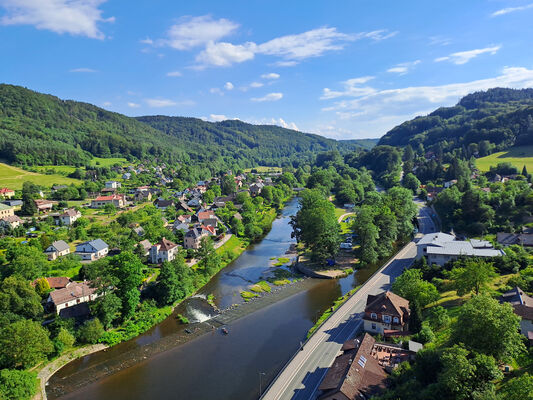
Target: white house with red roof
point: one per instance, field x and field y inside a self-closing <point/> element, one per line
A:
<point x="6" y="193"/>
<point x="163" y="251"/>
<point x="116" y="199"/>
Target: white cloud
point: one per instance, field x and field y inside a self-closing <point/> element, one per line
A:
<point x="76" y="17"/>
<point x="463" y="57"/>
<point x="509" y="10"/>
<point x="88" y="70"/>
<point x="285" y="63"/>
<point x="174" y="74"/>
<point x="288" y="125"/>
<point x="157" y="103"/>
<point x="191" y="32"/>
<point x="271" y="75"/>
<point x="228" y="86"/>
<point x="374" y="111"/>
<point x="216" y="90"/>
<point x="146" y="41"/>
<point x="217" y="117"/>
<point x="106" y="104"/>
<point x="224" y="54"/>
<point x="352" y="88"/>
<point x="133" y="105"/>
<point x="197" y="31"/>
<point x="403" y="68"/>
<point x="268" y="97"/>
<point x="256" y="84"/>
<point x="439" y="41"/>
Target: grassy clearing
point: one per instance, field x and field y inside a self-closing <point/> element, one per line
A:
<point x="13" y="178"/>
<point x="517" y="156"/>
<point x="234" y="244"/>
<point x="263" y="170"/>
<point x="55" y="169"/>
<point x="107" y="162"/>
<point x="248" y="295"/>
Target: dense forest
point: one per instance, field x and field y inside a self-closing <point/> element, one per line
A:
<point x="39" y="129"/>
<point x="498" y="117"/>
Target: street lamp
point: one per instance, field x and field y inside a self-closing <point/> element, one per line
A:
<point x="261" y="374"/>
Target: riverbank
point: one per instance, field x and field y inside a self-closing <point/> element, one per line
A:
<point x="230" y="251"/>
<point x="143" y="354"/>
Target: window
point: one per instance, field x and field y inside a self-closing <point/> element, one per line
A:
<point x="373" y="316"/>
<point x="373" y="326"/>
<point x="386" y="319"/>
<point x="396" y="320"/>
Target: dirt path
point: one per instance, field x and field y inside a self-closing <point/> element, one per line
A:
<point x="344" y="216"/>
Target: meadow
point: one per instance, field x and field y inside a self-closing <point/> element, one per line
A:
<point x="517" y="156"/>
<point x="13" y="178"/>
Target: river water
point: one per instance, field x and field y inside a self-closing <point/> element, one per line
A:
<point x="212" y="365"/>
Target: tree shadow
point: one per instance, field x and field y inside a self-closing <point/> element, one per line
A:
<point x="311" y="383"/>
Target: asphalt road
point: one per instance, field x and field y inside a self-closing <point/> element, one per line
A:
<point x="302" y="376"/>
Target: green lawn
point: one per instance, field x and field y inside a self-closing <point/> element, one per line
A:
<point x="234" y="244"/>
<point x="518" y="156"/>
<point x="108" y="162"/>
<point x="263" y="170"/>
<point x="59" y="169"/>
<point x="13" y="178"/>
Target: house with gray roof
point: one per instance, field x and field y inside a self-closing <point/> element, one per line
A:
<point x="59" y="248"/>
<point x="92" y="250"/>
<point x="440" y="248"/>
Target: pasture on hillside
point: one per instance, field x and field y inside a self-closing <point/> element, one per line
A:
<point x="517" y="156"/>
<point x="13" y="178"/>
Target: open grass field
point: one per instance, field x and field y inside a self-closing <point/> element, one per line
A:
<point x="263" y="170"/>
<point x="13" y="178"/>
<point x="59" y="169"/>
<point x="517" y="156"/>
<point x="108" y="162"/>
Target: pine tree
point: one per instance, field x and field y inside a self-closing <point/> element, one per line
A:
<point x="415" y="317"/>
<point x="524" y="171"/>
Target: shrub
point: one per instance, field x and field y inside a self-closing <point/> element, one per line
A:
<point x="91" y="331"/>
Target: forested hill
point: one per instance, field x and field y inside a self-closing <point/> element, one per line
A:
<point x="42" y="129"/>
<point x="503" y="117"/>
<point x="261" y="143"/>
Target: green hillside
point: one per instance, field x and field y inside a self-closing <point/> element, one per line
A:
<point x="517" y="156"/>
<point x="13" y="178"/>
<point x="39" y="129"/>
<point x="492" y="120"/>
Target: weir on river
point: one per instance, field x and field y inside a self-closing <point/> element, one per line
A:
<point x="168" y="363"/>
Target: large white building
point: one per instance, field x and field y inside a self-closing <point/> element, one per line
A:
<point x="73" y="294"/>
<point x="163" y="251"/>
<point x="439" y="248"/>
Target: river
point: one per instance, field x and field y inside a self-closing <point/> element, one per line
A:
<point x="211" y="365"/>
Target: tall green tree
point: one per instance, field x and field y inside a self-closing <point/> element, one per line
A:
<point x="411" y="286"/>
<point x="474" y="276"/>
<point x="488" y="327"/>
<point x="17" y="385"/>
<point x="23" y="344"/>
<point x="368" y="234"/>
<point x="18" y="298"/>
<point x="127" y="269"/>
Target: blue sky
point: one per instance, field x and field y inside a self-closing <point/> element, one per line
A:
<point x="343" y="69"/>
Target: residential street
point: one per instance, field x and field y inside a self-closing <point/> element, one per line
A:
<point x="302" y="376"/>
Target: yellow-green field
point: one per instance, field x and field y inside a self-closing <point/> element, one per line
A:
<point x="517" y="156"/>
<point x="108" y="162"/>
<point x="13" y="178"/>
<point x="262" y="170"/>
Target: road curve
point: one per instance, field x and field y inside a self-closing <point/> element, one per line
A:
<point x="302" y="375"/>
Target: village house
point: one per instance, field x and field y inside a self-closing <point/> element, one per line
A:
<point x="44" y="205"/>
<point x="113" y="184"/>
<point x="204" y="215"/>
<point x="6" y="211"/>
<point x="163" y="251"/>
<point x="355" y="374"/>
<point x="116" y="199"/>
<point x="56" y="188"/>
<point x="68" y="217"/>
<point x="145" y="245"/>
<point x="142" y="196"/>
<point x="55" y="282"/>
<point x="195" y="202"/>
<point x="72" y="295"/>
<point x="92" y="250"/>
<point x="139" y="230"/>
<point x="386" y="313"/>
<point x="13" y="203"/>
<point x="59" y="248"/>
<point x="256" y="188"/>
<point x="6" y="193"/>
<point x="508" y="239"/>
<point x="163" y="204"/>
<point x="13" y="221"/>
<point x="126" y="176"/>
<point x="440" y="248"/>
<point x="193" y="238"/>
<point x="523" y="307"/>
